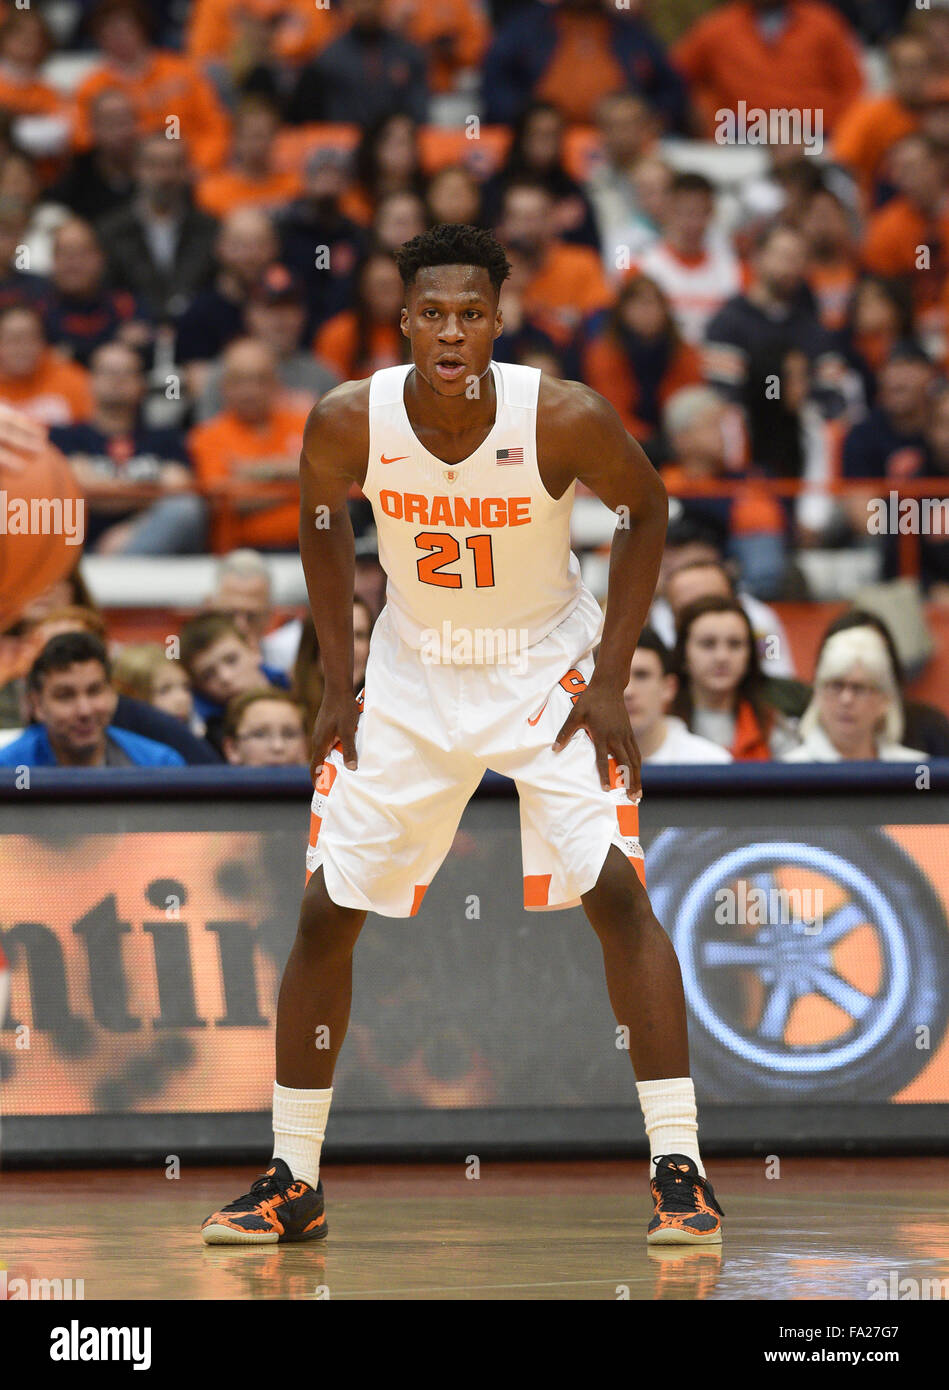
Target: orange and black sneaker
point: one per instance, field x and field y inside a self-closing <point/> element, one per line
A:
<point x="277" y="1208"/>
<point x="686" y="1211"/>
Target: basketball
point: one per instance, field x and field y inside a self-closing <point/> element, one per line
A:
<point x="4" y="986"/>
<point x="41" y="515"/>
<point x="474" y="630"/>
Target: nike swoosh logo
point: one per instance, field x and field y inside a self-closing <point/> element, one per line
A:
<point x="397" y="459"/>
<point x="539" y="712"/>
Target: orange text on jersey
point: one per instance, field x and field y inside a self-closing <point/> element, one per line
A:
<point x="455" y="511"/>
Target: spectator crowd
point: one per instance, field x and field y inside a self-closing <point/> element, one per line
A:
<point x="199" y="206"/>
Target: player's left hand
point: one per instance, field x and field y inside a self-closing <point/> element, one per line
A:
<point x="602" y="712"/>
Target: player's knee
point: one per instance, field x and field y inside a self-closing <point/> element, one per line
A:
<point x="619" y="905"/>
<point x="325" y="925"/>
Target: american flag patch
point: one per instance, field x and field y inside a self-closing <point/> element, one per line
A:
<point x="510" y="456"/>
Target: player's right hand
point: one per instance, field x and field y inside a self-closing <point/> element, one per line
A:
<point x="336" y="722"/>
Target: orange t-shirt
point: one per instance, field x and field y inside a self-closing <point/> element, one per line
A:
<point x="169" y="86"/>
<point x="56" y="393"/>
<point x="223" y="448"/>
<point x="607" y="369"/>
<point x="832" y="286"/>
<point x="569" y="285"/>
<point x="221" y="193"/>
<point x="812" y="64"/>
<point x="892" y="245"/>
<point x="301" y="29"/>
<point x="583" y="67"/>
<point x="30" y="98"/>
<point x="867" y="131"/>
<point x="336" y="343"/>
<point x="750" y="742"/>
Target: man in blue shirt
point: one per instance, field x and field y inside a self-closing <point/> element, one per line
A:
<point x="70" y="693"/>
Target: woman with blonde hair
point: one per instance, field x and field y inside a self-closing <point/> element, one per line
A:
<point x="144" y="671"/>
<point x="856" y="711"/>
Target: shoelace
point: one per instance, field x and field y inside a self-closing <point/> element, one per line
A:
<point x="262" y="1188"/>
<point x="675" y="1188"/>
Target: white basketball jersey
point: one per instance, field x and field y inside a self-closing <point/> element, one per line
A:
<point x="477" y="553"/>
<point x="695" y="289"/>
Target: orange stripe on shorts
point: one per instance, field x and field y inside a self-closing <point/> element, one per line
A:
<point x="616" y="777"/>
<point x="640" y="867"/>
<point x="628" y="819"/>
<point x="536" y="890"/>
<point x="326" y="778"/>
<point x="316" y="823"/>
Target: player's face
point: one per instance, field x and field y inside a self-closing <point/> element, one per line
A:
<point x="648" y="692"/>
<point x="717" y="652"/>
<point x="228" y="667"/>
<point x="451" y="319"/>
<point x="76" y="706"/>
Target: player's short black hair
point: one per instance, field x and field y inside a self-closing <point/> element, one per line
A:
<point x="65" y="650"/>
<point x="650" y="641"/>
<point x="451" y="243"/>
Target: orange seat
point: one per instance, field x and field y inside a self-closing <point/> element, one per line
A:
<point x="294" y="144"/>
<point x="483" y="155"/>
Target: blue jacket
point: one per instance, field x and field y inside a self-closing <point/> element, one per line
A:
<point x="33" y="749"/>
<point x="210" y="709"/>
<point x="524" y="46"/>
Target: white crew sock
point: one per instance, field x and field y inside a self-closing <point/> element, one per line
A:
<point x="671" y="1120"/>
<point x="299" y="1127"/>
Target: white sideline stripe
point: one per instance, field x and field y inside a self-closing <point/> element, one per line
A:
<point x="470" y="1288"/>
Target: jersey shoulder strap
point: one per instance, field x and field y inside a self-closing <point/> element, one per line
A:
<point x="521" y="384"/>
<point x="386" y="385"/>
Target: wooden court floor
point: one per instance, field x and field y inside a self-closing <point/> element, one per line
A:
<point x="826" y="1228"/>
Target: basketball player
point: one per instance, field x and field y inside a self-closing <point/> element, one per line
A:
<point x="470" y="468"/>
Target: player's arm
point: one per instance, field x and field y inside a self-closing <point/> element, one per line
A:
<point x="618" y="471"/>
<point x="333" y="457"/>
<point x="587" y="441"/>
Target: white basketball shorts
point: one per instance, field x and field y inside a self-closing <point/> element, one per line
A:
<point x="425" y="735"/>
